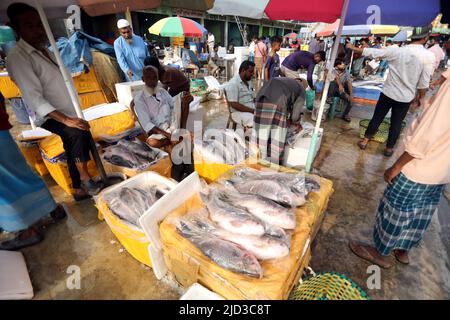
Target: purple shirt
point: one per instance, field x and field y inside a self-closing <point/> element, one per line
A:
<point x="301" y="60"/>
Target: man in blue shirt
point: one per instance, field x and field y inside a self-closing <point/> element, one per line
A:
<point x="302" y="60"/>
<point x="272" y="69"/>
<point x="131" y="51"/>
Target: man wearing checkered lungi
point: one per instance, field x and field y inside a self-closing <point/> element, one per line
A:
<point x="415" y="184"/>
<point x="279" y="104"/>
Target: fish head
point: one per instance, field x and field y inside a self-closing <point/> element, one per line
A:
<point x="251" y="266"/>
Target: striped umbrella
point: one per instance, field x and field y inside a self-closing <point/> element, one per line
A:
<point x="177" y="27"/>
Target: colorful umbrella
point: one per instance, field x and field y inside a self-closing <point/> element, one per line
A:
<point x="292" y="35"/>
<point x="177" y="27"/>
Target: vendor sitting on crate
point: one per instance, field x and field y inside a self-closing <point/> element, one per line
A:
<point x="241" y="95"/>
<point x="156" y="110"/>
<point x="173" y="80"/>
<point x="341" y="86"/>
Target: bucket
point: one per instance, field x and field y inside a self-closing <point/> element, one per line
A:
<point x="310" y="97"/>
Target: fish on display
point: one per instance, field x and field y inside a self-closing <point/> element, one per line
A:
<point x="121" y="156"/>
<point x="312" y="185"/>
<point x="266" y="210"/>
<point x="270" y="189"/>
<point x="139" y="148"/>
<point x="130" y="204"/>
<point x="224" y="253"/>
<point x="295" y="181"/>
<point x="230" y="217"/>
<point x="263" y="247"/>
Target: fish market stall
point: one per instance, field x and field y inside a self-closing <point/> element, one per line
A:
<point x="122" y="205"/>
<point x="234" y="237"/>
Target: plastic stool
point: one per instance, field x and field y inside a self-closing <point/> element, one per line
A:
<point x="332" y="113"/>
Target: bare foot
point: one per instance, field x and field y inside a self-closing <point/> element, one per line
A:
<point x="401" y="256"/>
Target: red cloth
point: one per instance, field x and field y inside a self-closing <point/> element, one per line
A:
<point x="4" y="123"/>
<point x="324" y="10"/>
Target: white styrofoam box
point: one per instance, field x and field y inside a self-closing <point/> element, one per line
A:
<point x="199" y="292"/>
<point x="15" y="283"/>
<point x="296" y="156"/>
<point x="194" y="122"/>
<point x="241" y="54"/>
<point x="151" y="219"/>
<point x="127" y="90"/>
<point x="103" y="110"/>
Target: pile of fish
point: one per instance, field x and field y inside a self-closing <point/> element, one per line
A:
<point x="133" y="154"/>
<point x="222" y="146"/>
<point x="249" y="217"/>
<point x="130" y="203"/>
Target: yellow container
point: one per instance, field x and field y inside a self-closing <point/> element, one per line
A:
<point x="91" y="99"/>
<point x="34" y="159"/>
<point x="133" y="240"/>
<point x="87" y="82"/>
<point x="162" y="167"/>
<point x="9" y="88"/>
<point x="189" y="265"/>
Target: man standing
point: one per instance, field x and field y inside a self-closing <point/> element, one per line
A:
<point x="341" y="86"/>
<point x="436" y="49"/>
<point x="240" y="95"/>
<point x="278" y="107"/>
<point x="314" y="45"/>
<point x="410" y="70"/>
<point x="211" y="42"/>
<point x="302" y="60"/>
<point x="34" y="69"/>
<point x="260" y="57"/>
<point x="272" y="68"/>
<point x="131" y="51"/>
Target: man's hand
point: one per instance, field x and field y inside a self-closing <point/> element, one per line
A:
<point x="391" y="173"/>
<point x="298" y="128"/>
<point x="350" y="46"/>
<point x="77" y="123"/>
<point x="130" y="74"/>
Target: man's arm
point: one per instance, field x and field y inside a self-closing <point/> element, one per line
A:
<point x="121" y="60"/>
<point x="232" y="93"/>
<point x="240" y="107"/>
<point x="350" y="88"/>
<point x="395" y="170"/>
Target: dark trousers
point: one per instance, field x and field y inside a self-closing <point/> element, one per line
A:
<point x="333" y="91"/>
<point x="399" y="111"/>
<point x="76" y="146"/>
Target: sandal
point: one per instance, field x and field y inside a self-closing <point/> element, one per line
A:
<point x="363" y="251"/>
<point x="388" y="152"/>
<point x="58" y="214"/>
<point x="362" y="145"/>
<point x="347" y="119"/>
<point x="19" y="242"/>
<point x="401" y="256"/>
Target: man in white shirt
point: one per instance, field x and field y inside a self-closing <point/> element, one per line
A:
<point x="156" y="110"/>
<point x="35" y="71"/>
<point x="241" y="95"/>
<point x="211" y="42"/>
<point x="410" y="71"/>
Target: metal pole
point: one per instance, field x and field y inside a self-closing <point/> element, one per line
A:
<point x="312" y="147"/>
<point x="72" y="93"/>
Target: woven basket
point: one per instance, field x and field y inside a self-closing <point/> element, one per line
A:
<point x="329" y="286"/>
<point x="383" y="131"/>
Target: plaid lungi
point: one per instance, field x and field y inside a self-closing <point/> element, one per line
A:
<point x="404" y="213"/>
<point x="270" y="128"/>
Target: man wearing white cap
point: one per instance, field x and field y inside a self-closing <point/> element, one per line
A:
<point x="131" y="51"/>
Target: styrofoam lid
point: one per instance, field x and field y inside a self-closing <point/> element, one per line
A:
<point x="199" y="292"/>
<point x="15" y="283"/>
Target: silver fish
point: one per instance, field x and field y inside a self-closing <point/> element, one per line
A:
<point x="230" y="217"/>
<point x="139" y="148"/>
<point x="266" y="210"/>
<point x="121" y="156"/>
<point x="269" y="189"/>
<point x="263" y="247"/>
<point x="224" y="253"/>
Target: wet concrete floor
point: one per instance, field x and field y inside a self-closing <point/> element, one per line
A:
<point x="109" y="272"/>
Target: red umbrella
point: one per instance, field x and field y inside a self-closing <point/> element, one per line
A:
<point x="292" y="35"/>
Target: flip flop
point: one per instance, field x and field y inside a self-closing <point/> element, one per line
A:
<point x="361" y="251"/>
<point x="362" y="146"/>
<point x="401" y="260"/>
<point x="17" y="244"/>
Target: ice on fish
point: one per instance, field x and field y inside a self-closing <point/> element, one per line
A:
<point x="231" y="217"/>
<point x="224" y="253"/>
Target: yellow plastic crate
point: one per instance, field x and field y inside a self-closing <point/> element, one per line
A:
<point x="34" y="158"/>
<point x="9" y="88"/>
<point x="87" y="82"/>
<point x="91" y="99"/>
